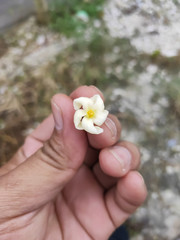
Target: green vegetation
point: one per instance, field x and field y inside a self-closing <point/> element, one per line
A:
<point x="156" y="53"/>
<point x="92" y="59"/>
<point x="73" y="16"/>
<point x="173" y="90"/>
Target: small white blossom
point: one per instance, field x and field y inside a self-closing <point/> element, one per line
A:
<point x="90" y="114"/>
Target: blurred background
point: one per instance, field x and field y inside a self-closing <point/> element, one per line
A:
<point x="131" y="51"/>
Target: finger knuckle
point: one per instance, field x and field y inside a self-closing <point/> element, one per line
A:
<point x="53" y="153"/>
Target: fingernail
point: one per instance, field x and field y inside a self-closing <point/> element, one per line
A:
<point x="57" y="114"/>
<point x="123" y="156"/>
<point x="112" y="127"/>
<point x="141" y="177"/>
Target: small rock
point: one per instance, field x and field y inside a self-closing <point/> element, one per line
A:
<point x="41" y="40"/>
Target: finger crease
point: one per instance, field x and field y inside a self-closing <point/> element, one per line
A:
<point x="63" y="195"/>
<point x="109" y="214"/>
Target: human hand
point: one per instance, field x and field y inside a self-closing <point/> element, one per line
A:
<point x="67" y="184"/>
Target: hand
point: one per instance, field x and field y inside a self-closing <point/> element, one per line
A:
<point x="66" y="184"/>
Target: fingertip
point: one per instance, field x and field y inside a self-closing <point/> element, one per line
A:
<point x="60" y="99"/>
<point x="63" y="113"/>
<point x="133" y="188"/>
<point x="115" y="161"/>
<point x="86" y="91"/>
<point x="135" y="152"/>
<point x="110" y="135"/>
<point x="97" y="90"/>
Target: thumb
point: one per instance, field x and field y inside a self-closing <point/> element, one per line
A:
<point x="41" y="177"/>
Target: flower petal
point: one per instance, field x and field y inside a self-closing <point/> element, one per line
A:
<point x="98" y="102"/>
<point x="79" y="114"/>
<point x="88" y="126"/>
<point x="82" y="102"/>
<point x="101" y="117"/>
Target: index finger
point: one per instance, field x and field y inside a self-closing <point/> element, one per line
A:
<point x="86" y="91"/>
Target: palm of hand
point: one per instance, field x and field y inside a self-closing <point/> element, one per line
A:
<point x="78" y="212"/>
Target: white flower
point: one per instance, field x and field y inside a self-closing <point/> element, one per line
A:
<point x="90" y="114"/>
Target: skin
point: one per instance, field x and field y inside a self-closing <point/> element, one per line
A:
<point x="66" y="184"/>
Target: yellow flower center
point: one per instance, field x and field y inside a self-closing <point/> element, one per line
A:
<point x="90" y="113"/>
